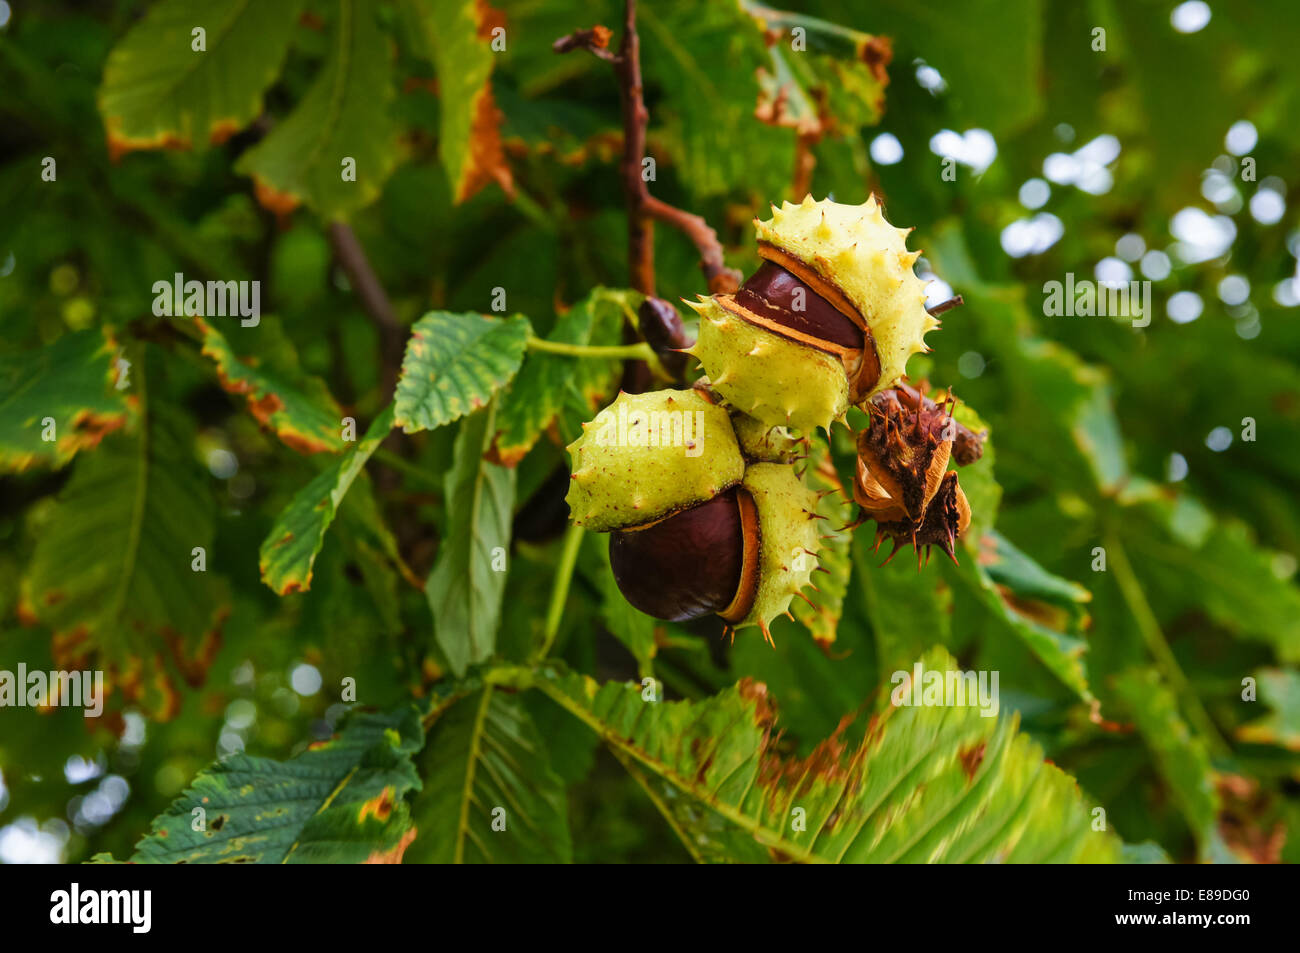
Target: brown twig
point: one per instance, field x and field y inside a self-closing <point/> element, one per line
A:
<point x="642" y="207"/>
<point x="942" y="306"/>
<point x="805" y="160"/>
<point x="392" y="335"/>
<point x="595" y="41"/>
<point x="721" y="279"/>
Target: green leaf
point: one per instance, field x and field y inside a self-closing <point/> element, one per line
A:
<point x="490" y="795"/>
<point x="1219" y="569"/>
<point x="822" y="617"/>
<point x="536" y="395"/>
<point x="1279" y="689"/>
<point x="842" y="68"/>
<point x="909" y="610"/>
<point x="454" y="363"/>
<point x="926" y="783"/>
<point x="112" y="569"/>
<point x="464" y="589"/>
<point x="297" y="409"/>
<point x="456" y="36"/>
<point x="159" y="92"/>
<point x="709" y="112"/>
<point x="344" y="115"/>
<point x="71" y="381"/>
<point x="341" y="801"/>
<point x="289" y="550"/>
<point x="1043" y="611"/>
<point x="1180" y="756"/>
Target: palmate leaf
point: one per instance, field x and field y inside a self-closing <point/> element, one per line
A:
<point x="297" y="408"/>
<point x="464" y="589"/>
<point x="456" y="35"/>
<point x="341" y="801"/>
<point x="453" y="365"/>
<point x="536" y="395"/>
<point x="112" y="570"/>
<point x="289" y="550"/>
<point x="344" y="115"/>
<point x="72" y="381"/>
<point x="926" y="784"/>
<point x="489" y="795"/>
<point x="158" y="92"/>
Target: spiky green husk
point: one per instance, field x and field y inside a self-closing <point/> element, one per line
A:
<point x="855" y="249"/>
<point x="772" y="378"/>
<point x="788" y="538"/>
<point x="620" y="479"/>
<point x="763" y="443"/>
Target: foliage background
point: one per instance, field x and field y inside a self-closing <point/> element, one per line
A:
<point x="1102" y="431"/>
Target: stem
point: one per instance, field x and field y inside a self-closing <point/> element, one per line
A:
<point x="560" y="590"/>
<point x="1131" y="589"/>
<point x="721" y="279"/>
<point x="948" y="305"/>
<point x="640" y="232"/>
<point x="392" y="335"/>
<point x="639" y="352"/>
<point x="630" y="352"/>
<point x="642" y="208"/>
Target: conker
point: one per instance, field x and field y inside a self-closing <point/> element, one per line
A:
<point x="689" y="564"/>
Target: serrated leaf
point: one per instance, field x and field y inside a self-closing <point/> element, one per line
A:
<point x="111" y="573"/>
<point x="464" y="590"/>
<point x="456" y="35"/>
<point x="289" y="550"/>
<point x="926" y="783"/>
<point x="300" y="412"/>
<point x="344" y="115"/>
<point x="1279" y="690"/>
<point x="158" y="92"/>
<point x="536" y="395"/>
<point x="72" y="381"/>
<point x="490" y="795"/>
<point x="822" y="617"/>
<point x="341" y="801"/>
<point x="453" y="365"/>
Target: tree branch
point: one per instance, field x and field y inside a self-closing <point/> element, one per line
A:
<point x="392" y="335"/>
<point x="642" y="208"/>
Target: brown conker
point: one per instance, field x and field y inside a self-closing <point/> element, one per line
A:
<point x="691" y="563"/>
